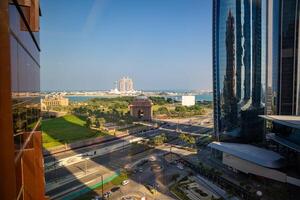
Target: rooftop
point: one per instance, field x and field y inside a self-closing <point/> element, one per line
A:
<point x="141" y="101"/>
<point x="286" y="120"/>
<point x="259" y="156"/>
<point x="284" y="142"/>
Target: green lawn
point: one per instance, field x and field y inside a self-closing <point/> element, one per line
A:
<point x="66" y="129"/>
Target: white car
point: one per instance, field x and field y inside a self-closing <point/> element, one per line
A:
<point x="125" y="182"/>
<point x="152" y="158"/>
<point x="180" y="166"/>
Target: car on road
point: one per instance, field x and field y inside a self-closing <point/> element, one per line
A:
<point x="125" y="182"/>
<point x="106" y="195"/>
<point x="152" y="158"/>
<point x="154" y="184"/>
<point x="180" y="166"/>
<point x="115" y="189"/>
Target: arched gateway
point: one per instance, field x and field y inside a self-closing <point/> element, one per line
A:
<point x="141" y="108"/>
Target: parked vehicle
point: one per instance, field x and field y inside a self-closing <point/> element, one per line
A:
<point x="152" y="158"/>
<point x="115" y="189"/>
<point x="180" y="166"/>
<point x="125" y="182"/>
<point x="106" y="195"/>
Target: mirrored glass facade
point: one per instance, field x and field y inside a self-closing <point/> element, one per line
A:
<point x="283" y="53"/>
<point x="239" y="64"/>
<point x="22" y="167"/>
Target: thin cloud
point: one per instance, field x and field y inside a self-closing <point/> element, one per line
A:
<point x="93" y="16"/>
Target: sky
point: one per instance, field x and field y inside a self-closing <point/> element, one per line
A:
<point x="160" y="44"/>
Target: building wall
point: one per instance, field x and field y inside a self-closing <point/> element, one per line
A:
<point x="283" y="53"/>
<point x="289" y="81"/>
<point x="59" y="101"/>
<point x="33" y="169"/>
<point x="221" y="11"/>
<point x="147" y="112"/>
<point x="273" y="41"/>
<point x="7" y="168"/>
<point x="251" y="168"/>
<point x="188" y="100"/>
<point x="22" y="100"/>
<point x="239" y="78"/>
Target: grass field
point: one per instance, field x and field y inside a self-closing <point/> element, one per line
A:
<point x="66" y="129"/>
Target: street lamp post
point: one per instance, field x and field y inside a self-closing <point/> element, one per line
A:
<point x="102" y="185"/>
<point x="123" y="145"/>
<point x="55" y="171"/>
<point x="85" y="165"/>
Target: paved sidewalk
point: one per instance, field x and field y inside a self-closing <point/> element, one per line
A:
<point x="76" y="176"/>
<point x="67" y="179"/>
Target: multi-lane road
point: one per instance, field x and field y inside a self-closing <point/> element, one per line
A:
<point x="87" y="170"/>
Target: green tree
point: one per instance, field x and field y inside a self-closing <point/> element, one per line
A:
<point x="163" y="110"/>
<point x="159" y="139"/>
<point x="180" y="109"/>
<point x="187" y="139"/>
<point x="100" y="122"/>
<point x="88" y="122"/>
<point x="182" y="137"/>
<point x="91" y="121"/>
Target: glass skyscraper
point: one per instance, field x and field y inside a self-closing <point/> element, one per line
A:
<point x="239" y="40"/>
<point x="283" y="52"/>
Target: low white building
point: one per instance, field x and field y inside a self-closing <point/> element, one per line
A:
<point x="188" y="100"/>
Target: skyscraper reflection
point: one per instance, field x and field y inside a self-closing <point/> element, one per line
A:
<point x="229" y="90"/>
<point x="239" y="38"/>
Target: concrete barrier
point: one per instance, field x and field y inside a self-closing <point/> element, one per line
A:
<point x="49" y="166"/>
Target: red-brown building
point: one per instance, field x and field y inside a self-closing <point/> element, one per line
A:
<point x="21" y="168"/>
<point x="141" y="108"/>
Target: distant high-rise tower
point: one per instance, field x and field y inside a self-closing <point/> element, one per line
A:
<point x="126" y="85"/>
<point x="122" y="85"/>
<point x="238" y="66"/>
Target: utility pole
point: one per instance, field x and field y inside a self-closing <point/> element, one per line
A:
<point x="171" y="152"/>
<point x="85" y="165"/>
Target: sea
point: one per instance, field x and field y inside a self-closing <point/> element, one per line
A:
<point x="199" y="97"/>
